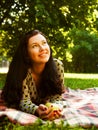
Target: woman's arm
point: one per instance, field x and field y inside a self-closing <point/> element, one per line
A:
<point x="26" y="105"/>
<point x="60" y="70"/>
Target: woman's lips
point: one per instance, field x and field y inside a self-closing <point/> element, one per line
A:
<point x="43" y="54"/>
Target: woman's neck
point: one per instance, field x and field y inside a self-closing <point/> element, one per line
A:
<point x="36" y="73"/>
<point x="37" y="69"/>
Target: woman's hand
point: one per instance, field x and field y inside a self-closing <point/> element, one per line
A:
<point x="48" y="112"/>
<point x="43" y="110"/>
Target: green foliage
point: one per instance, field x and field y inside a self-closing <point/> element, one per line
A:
<point x="84" y="51"/>
<point x="55" y="19"/>
<point x="19" y="17"/>
<point x="6" y="125"/>
<point x="81" y="83"/>
<point x="2" y="80"/>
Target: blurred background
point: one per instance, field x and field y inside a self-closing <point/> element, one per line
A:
<point x="71" y="27"/>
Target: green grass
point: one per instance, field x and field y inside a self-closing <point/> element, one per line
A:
<point x="73" y="81"/>
<point x="82" y="81"/>
<point x="2" y="80"/>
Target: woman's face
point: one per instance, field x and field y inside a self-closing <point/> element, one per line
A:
<point x="38" y="49"/>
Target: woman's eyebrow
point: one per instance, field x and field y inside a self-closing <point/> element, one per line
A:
<point x="41" y="41"/>
<point x="44" y="40"/>
<point x="34" y="42"/>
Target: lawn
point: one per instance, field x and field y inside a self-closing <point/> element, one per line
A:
<point x="74" y="81"/>
<point x="81" y="81"/>
<point x="2" y="79"/>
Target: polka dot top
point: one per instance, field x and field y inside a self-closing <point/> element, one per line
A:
<point x="30" y="95"/>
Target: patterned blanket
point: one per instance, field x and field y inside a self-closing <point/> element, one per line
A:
<point x="80" y="108"/>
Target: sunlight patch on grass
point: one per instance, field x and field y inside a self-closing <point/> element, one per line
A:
<point x="81" y="76"/>
<point x="3" y="70"/>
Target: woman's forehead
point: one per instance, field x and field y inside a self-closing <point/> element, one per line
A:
<point x="37" y="38"/>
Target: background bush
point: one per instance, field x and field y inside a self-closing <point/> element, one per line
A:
<point x="71" y="27"/>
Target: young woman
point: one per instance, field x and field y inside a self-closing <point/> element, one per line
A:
<point x="34" y="77"/>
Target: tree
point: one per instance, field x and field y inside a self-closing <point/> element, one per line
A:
<point x="54" y="18"/>
<point x="20" y="16"/>
<point x="84" y="51"/>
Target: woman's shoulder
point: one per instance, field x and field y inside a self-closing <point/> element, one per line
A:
<point x="58" y="62"/>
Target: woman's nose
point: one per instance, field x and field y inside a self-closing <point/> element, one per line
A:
<point x="41" y="47"/>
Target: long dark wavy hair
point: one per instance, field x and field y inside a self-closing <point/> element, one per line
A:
<point x="50" y="83"/>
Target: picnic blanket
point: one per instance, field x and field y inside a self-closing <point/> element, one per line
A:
<point x="80" y="108"/>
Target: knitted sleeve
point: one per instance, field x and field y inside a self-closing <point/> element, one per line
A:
<point x="60" y="69"/>
<point x="26" y="104"/>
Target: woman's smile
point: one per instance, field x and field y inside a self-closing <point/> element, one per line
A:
<point x="43" y="54"/>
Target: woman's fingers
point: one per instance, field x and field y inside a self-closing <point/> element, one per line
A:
<point x="58" y="112"/>
<point x="43" y="110"/>
<point x="43" y="107"/>
<point x="47" y="116"/>
<point x="54" y="114"/>
<point x="48" y="113"/>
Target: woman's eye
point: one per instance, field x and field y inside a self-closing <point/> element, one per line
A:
<point x="34" y="46"/>
<point x="44" y="43"/>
